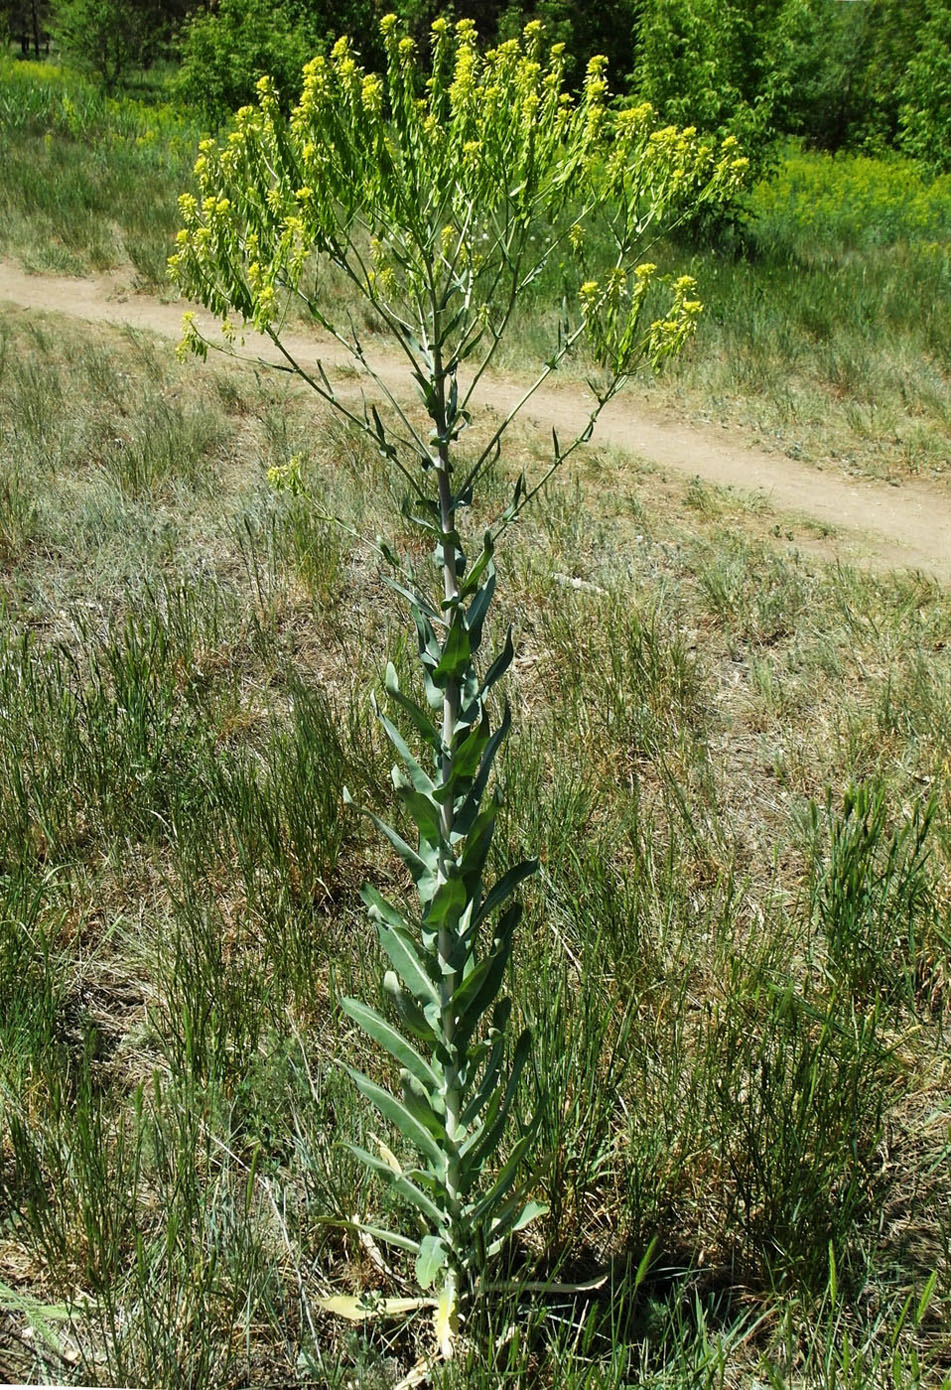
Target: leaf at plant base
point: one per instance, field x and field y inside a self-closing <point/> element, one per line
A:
<point x="530" y="1212"/>
<point x="363" y="1308"/>
<point x="389" y="1038"/>
<point x="508" y="1220"/>
<point x="387" y="1155"/>
<point x="39" y="1315"/>
<point x="446" y="1320"/>
<point x="400" y="1242"/>
<point x="432" y="1257"/>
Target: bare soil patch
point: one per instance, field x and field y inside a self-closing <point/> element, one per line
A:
<point x="872" y="523"/>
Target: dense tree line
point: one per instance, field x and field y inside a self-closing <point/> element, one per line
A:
<point x="853" y="74"/>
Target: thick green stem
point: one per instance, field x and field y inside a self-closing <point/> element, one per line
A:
<point x="451" y="978"/>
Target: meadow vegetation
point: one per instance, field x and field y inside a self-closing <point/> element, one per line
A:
<point x="733" y="760"/>
<point x="824" y="335"/>
<point x="736" y="959"/>
<point x="89" y="182"/>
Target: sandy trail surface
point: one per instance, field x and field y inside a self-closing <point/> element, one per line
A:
<point x="907" y="526"/>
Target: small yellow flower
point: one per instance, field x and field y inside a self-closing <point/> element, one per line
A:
<point x="287" y="477"/>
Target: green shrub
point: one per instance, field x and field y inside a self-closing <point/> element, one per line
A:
<point x="926" y="93"/>
<point x="226" y="51"/>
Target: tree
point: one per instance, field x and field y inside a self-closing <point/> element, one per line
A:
<point x="837" y="68"/>
<point x="925" y="92"/>
<point x="225" y="52"/>
<point x="104" y="36"/>
<point x="113" y="38"/>
<point x="441" y="195"/>
<point x="703" y="63"/>
<point x="25" y="21"/>
<point x="609" y="28"/>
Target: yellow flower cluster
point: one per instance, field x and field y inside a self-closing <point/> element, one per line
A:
<point x="430" y="170"/>
<point x="287" y="477"/>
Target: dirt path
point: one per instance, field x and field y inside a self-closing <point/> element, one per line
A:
<point x="904" y="527"/>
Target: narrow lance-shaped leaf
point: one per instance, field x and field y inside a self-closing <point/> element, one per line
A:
<point x="425" y="813"/>
<point x="405" y="958"/>
<point x="504" y="888"/>
<point x="429" y="650"/>
<point x="416" y="602"/>
<point x="401" y="1183"/>
<point x="479" y="1152"/>
<point x="500" y="665"/>
<point x="484" y="565"/>
<point x="472" y="1117"/>
<point x="477" y="992"/>
<point x="413" y="861"/>
<point x="381" y="910"/>
<point x="487" y="1205"/>
<point x="411" y="1015"/>
<point x="479" y="607"/>
<point x="421" y="781"/>
<point x="423" y="724"/>
<point x="400" y="1117"/>
<point x="469" y="810"/>
<point x="389" y="1038"/>
<point x="476" y="849"/>
<point x="467" y="752"/>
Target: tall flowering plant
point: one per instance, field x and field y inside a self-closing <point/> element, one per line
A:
<point x="441" y="191"/>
